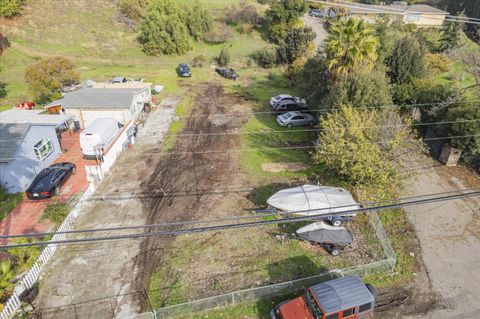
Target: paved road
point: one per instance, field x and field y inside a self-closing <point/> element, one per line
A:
<point x="317" y="25"/>
<point x="449" y="236"/>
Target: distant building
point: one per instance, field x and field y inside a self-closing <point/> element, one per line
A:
<point x="28" y="143"/>
<point x="115" y="101"/>
<point x="419" y="14"/>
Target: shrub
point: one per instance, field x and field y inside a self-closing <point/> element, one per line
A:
<point x="293" y="70"/>
<point x="169" y="27"/>
<point x="438" y="63"/>
<point x="56" y="213"/>
<point x="282" y="16"/>
<point x="133" y="9"/>
<point x="10" y="8"/>
<point x="198" y="61"/>
<point x="219" y="34"/>
<point x="244" y="13"/>
<point x="45" y="78"/>
<point x="268" y="2"/>
<point x="224" y="57"/>
<point x="246" y="28"/>
<point x="266" y="58"/>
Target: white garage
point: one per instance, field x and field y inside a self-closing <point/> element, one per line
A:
<point x="88" y="104"/>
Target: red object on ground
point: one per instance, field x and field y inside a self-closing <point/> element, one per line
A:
<point x="26" y="105"/>
<point x="25" y="217"/>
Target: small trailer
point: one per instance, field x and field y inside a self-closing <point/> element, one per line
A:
<point x="314" y="200"/>
<point x="333" y="239"/>
<point x="97" y="138"/>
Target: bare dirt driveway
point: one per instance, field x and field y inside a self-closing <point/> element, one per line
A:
<point x="449" y="236"/>
<point x="317" y="25"/>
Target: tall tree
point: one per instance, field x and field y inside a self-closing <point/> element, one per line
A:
<point x="450" y="35"/>
<point x="407" y="60"/>
<point x="282" y="16"/>
<point x="45" y="78"/>
<point x="470" y="8"/>
<point x="298" y="43"/>
<point x="349" y="43"/>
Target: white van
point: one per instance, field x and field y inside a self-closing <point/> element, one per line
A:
<point x="97" y="138"/>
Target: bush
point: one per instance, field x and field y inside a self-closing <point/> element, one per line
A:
<point x="56" y="213"/>
<point x="198" y="61"/>
<point x="10" y="8"/>
<point x="220" y="34"/>
<point x="294" y="69"/>
<point x="246" y="28"/>
<point x="46" y="78"/>
<point x="169" y="27"/>
<point x="266" y="58"/>
<point x="244" y="13"/>
<point x="224" y="57"/>
<point x="438" y="63"/>
<point x="268" y="2"/>
<point x="133" y="9"/>
<point x="282" y="16"/>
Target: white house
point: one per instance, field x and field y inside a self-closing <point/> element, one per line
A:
<point x="88" y="104"/>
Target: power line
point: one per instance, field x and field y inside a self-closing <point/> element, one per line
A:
<point x="249" y="224"/>
<point x="394" y="11"/>
<point x="268" y="148"/>
<point x="210" y="221"/>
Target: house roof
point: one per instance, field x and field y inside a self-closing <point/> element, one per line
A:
<point x="342" y="293"/>
<point x="11" y="136"/>
<point x="98" y="98"/>
<point x="33" y="117"/>
<point x="423" y="8"/>
<point x="399" y="8"/>
<point x="123" y="85"/>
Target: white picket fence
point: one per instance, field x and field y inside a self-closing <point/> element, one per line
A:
<point x="27" y="282"/>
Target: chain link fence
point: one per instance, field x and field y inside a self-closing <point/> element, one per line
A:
<point x="254" y="294"/>
<point x="109" y="308"/>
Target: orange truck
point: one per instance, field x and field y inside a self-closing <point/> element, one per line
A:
<point x="342" y="298"/>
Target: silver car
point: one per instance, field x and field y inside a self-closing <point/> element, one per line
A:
<point x="295" y="118"/>
<point x="286" y="97"/>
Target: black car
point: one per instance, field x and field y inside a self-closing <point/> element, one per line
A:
<point x="227" y="73"/>
<point x="287" y="106"/>
<point x="183" y="70"/>
<point x="49" y="180"/>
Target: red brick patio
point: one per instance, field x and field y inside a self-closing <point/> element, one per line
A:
<point x="25" y="217"/>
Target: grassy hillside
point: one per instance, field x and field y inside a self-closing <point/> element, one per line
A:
<point x="86" y="32"/>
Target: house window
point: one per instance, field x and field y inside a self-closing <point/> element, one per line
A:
<point x="43" y="148"/>
<point x="364" y="307"/>
<point x="412" y="17"/>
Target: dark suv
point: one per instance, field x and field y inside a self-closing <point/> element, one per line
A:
<point x="183" y="70"/>
<point x="287" y="106"/>
<point x="227" y="73"/>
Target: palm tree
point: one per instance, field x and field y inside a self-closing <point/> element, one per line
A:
<point x="349" y="43"/>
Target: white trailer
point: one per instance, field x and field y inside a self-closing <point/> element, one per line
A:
<point x="97" y="138"/>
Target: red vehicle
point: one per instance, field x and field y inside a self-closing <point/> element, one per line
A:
<point x="346" y="297"/>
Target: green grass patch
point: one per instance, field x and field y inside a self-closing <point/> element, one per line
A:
<point x="182" y="110"/>
<point x="8" y="202"/>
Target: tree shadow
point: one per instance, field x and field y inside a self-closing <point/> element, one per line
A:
<point x="3" y="90"/>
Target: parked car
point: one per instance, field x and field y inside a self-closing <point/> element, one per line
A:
<point x="286" y="98"/>
<point x="318" y="13"/>
<point x="295" y="118"/>
<point x="183" y="70"/>
<point x="227" y="73"/>
<point x="287" y="106"/>
<point x="346" y="297"/>
<point x="49" y="180"/>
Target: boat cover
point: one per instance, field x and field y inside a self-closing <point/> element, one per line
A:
<point x="323" y="233"/>
<point x="309" y="200"/>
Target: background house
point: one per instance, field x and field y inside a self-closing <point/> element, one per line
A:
<point x="419" y="14"/>
<point x="88" y="104"/>
<point x="28" y="143"/>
